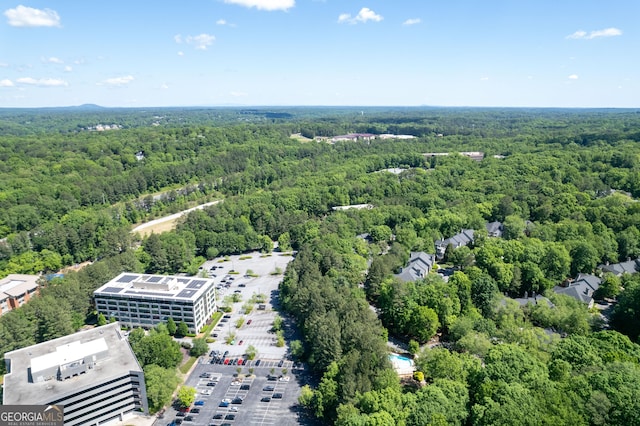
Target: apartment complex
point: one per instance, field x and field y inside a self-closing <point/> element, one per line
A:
<point x="16" y="290"/>
<point x="93" y="374"/>
<point x="139" y="300"/>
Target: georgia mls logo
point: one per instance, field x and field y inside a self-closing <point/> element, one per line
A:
<point x="31" y="415"/>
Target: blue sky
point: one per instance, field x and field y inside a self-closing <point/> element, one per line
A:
<point x="530" y="53"/>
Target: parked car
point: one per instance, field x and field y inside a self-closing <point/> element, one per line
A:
<point x="195" y="411"/>
<point x="200" y="402"/>
<point x="223" y="404"/>
<point x="268" y="388"/>
<point x="218" y="416"/>
<point x="249" y="322"/>
<point x="277" y="396"/>
<point x="265" y="399"/>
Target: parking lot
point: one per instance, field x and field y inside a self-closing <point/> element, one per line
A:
<point x="232" y="389"/>
<point x="226" y="397"/>
<point x="232" y="278"/>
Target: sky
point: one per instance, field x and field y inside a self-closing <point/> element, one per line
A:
<point x="494" y="53"/>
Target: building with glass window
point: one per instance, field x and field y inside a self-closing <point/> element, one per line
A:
<point x="93" y="374"/>
<point x="140" y="300"/>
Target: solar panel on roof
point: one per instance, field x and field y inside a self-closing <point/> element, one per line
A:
<point x="112" y="290"/>
<point x="196" y="284"/>
<point x="186" y="293"/>
<point x="154" y="279"/>
<point x="127" y="278"/>
<point x="183" y="280"/>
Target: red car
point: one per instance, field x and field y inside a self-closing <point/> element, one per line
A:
<point x="226" y="361"/>
<point x="239" y="343"/>
<point x="248" y="322"/>
<point x="240" y="361"/>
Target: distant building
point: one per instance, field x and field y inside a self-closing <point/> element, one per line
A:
<point x="465" y="237"/>
<point x="474" y="155"/>
<point x="93" y="374"/>
<point x="582" y="288"/>
<point x="138" y="300"/>
<point x="16" y="290"/>
<point x="352" y="207"/>
<point x="352" y="137"/>
<point x="419" y="265"/>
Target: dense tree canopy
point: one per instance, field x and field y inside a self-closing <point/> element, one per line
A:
<point x="562" y="182"/>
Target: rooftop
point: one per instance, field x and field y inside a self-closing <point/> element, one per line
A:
<point x="19" y="388"/>
<point x="15" y="285"/>
<point x="154" y="287"/>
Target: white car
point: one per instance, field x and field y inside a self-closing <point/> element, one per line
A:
<point x="284" y="379"/>
<point x="234" y="409"/>
<point x="227" y="400"/>
<point x="206" y="392"/>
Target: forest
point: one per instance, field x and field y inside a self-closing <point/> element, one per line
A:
<point x="564" y="183"/>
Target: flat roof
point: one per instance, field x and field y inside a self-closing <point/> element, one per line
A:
<point x="15" y="285"/>
<point x="154" y="287"/>
<point x="120" y="360"/>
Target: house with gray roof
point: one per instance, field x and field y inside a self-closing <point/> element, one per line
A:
<point x="619" y="269"/>
<point x="461" y="239"/>
<point x="494" y="229"/>
<point x="582" y="288"/>
<point x="419" y="265"/>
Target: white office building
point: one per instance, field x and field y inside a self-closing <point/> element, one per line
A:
<point x="140" y="300"/>
<point x="93" y="374"/>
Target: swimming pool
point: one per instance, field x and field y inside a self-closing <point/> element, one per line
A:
<point x="401" y="364"/>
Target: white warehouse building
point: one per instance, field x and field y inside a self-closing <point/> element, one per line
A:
<point x="142" y="300"/>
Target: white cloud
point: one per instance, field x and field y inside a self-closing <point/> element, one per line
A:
<point x="484" y="78"/>
<point x="117" y="81"/>
<point x="23" y="16"/>
<point x="42" y="82"/>
<point x="573" y="77"/>
<point x="265" y="4"/>
<point x="221" y="22"/>
<point x="363" y="16"/>
<point x="6" y="83"/>
<point x="164" y="86"/>
<point x="53" y="60"/>
<point x="412" y="21"/>
<point x="4" y="64"/>
<point x="344" y="17"/>
<point x="181" y="53"/>
<point x="201" y="42"/>
<point x="68" y="68"/>
<point x="607" y="32"/>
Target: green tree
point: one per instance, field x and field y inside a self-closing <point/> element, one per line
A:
<point x="182" y="329"/>
<point x="160" y="383"/>
<point x="101" y="320"/>
<point x="172" y="328"/>
<point x="186" y="396"/>
<point x="199" y="348"/>
<point x="284" y="242"/>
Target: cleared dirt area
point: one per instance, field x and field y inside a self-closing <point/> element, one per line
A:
<point x="166" y="223"/>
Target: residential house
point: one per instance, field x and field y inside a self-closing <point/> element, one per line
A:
<point x="494" y="229"/>
<point x="619" y="269"/>
<point x="582" y="288"/>
<point x="461" y="239"/>
<point x="419" y="265"/>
